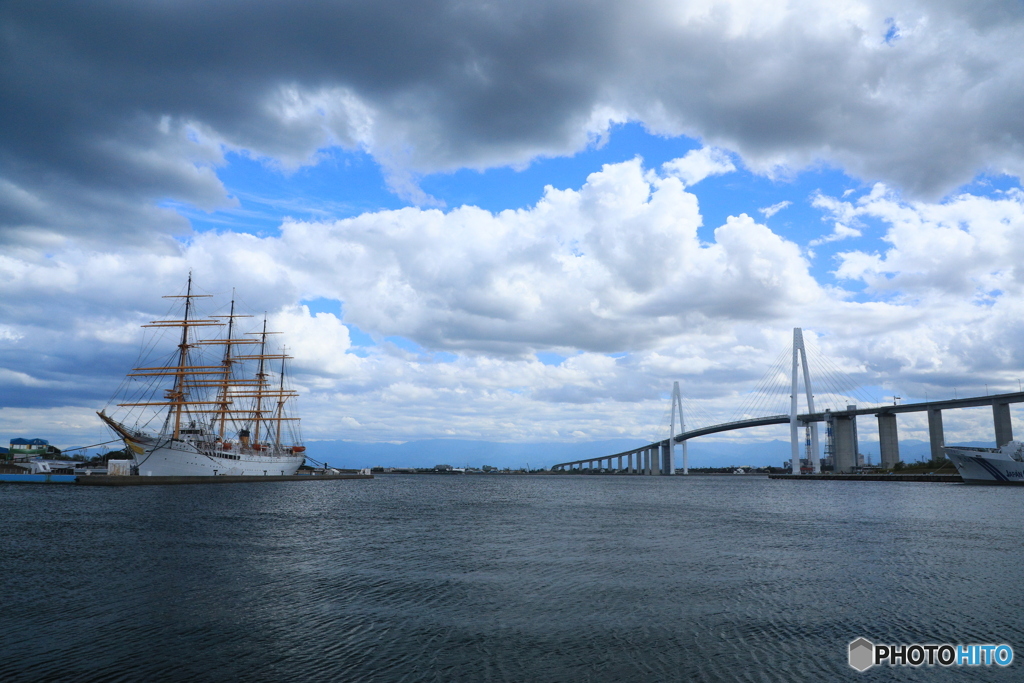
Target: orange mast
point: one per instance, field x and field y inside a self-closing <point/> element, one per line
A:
<point x="261" y="378"/>
<point x="226" y="380"/>
<point x="280" y="401"/>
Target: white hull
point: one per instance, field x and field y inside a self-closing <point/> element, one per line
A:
<point x="988" y="465"/>
<point x="182" y="459"/>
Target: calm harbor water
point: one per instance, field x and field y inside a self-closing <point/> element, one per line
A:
<point x="503" y="578"/>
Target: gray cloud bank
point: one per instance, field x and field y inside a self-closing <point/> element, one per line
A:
<point x="109" y="108"/>
<point x="110" y="112"/>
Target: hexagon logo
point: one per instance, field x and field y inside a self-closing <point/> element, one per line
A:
<point x="862" y="654"/>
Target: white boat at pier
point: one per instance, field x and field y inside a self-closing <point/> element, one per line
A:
<point x="1003" y="465"/>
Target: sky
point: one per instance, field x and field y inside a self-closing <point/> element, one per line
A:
<point x="517" y="222"/>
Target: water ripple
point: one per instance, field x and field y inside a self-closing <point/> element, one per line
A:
<point x="408" y="578"/>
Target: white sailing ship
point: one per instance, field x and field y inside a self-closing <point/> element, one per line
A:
<point x="1003" y="465"/>
<point x="225" y="412"/>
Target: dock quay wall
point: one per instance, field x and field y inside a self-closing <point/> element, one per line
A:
<point x="219" y="479"/>
<point x="940" y="478"/>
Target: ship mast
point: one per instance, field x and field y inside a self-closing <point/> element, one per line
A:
<point x="224" y="384"/>
<point x="280" y="400"/>
<point x="261" y="382"/>
<point x="261" y="389"/>
<point x="176" y="397"/>
<point x="179" y="379"/>
<point x="224" y="392"/>
<point x="227" y="369"/>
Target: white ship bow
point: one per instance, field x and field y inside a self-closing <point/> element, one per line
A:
<point x="1003" y="465"/>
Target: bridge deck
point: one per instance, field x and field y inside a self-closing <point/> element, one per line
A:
<point x="970" y="402"/>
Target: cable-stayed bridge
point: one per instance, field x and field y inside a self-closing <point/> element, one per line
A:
<point x="659" y="457"/>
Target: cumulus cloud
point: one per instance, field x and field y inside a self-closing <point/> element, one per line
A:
<point x="613" y="266"/>
<point x="610" y="274"/>
<point x="968" y="245"/>
<point x="318" y="342"/>
<point x="113" y="108"/>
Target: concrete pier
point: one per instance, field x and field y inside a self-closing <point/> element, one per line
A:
<point x="935" y="435"/>
<point x="932" y="478"/>
<point x="1001" y="418"/>
<point x="113" y="480"/>
<point x="845" y="456"/>
<point x="856" y="439"/>
<point x="888" y="440"/>
<point x="655" y="464"/>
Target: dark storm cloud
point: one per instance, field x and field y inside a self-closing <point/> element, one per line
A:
<point x="110" y="108"/>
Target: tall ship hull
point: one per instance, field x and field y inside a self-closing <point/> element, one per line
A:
<point x="989" y="465"/>
<point x="224" y="411"/>
<point x="189" y="457"/>
<point x="184" y="460"/>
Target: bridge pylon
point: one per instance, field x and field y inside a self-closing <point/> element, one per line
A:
<point x="794" y="422"/>
<point x="677" y="405"/>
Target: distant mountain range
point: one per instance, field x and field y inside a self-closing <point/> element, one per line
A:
<point x="457" y="453"/>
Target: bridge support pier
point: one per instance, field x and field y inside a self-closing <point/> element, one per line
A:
<point x="666" y="458"/>
<point x="655" y="457"/>
<point x="888" y="440"/>
<point x="935" y="435"/>
<point x="677" y="409"/>
<point x="1001" y="418"/>
<point x="844" y="429"/>
<point x="800" y="354"/>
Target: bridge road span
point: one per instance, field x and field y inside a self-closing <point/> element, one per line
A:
<point x="656" y="457"/>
